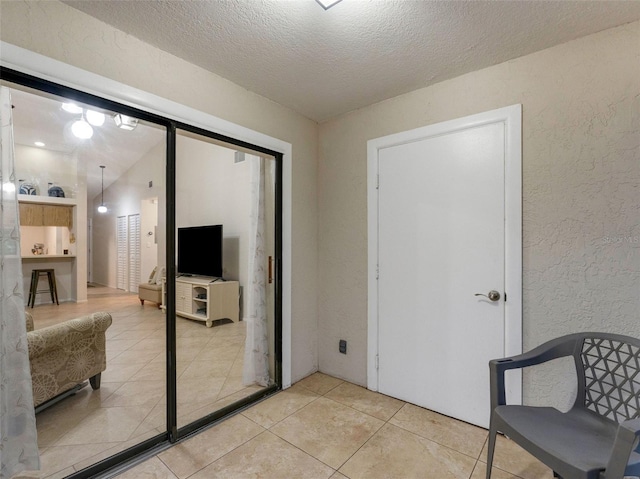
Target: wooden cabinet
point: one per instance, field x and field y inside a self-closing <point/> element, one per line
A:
<point x="58" y="215"/>
<point x="199" y="298"/>
<point x="183" y="297"/>
<point x="33" y="214"/>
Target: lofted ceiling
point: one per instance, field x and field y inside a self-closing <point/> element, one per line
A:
<point x="38" y="117"/>
<point x="326" y="63"/>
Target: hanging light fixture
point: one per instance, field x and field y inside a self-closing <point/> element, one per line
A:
<point x="71" y="108"/>
<point x="95" y="118"/>
<point x="125" y="122"/>
<point x="102" y="208"/>
<point x="82" y="129"/>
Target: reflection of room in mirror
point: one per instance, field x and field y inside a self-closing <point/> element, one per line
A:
<point x="102" y="259"/>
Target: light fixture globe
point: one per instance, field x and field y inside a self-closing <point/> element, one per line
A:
<point x="102" y="209"/>
<point x="95" y="117"/>
<point x="82" y="129"/>
<point x="71" y="108"/>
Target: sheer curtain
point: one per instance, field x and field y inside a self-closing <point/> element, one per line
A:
<point x="256" y="351"/>
<point x="18" y="437"/>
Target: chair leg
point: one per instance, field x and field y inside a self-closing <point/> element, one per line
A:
<point x="95" y="381"/>
<point x="490" y="449"/>
<point x="54" y="289"/>
<point x="49" y="279"/>
<point x="142" y="302"/>
<point x="32" y="289"/>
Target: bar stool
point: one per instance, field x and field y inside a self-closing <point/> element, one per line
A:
<point x="33" y="290"/>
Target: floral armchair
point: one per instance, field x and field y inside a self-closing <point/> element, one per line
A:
<point x="66" y="354"/>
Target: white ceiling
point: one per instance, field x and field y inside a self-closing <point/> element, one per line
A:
<point x="41" y="118"/>
<point x="326" y="63"/>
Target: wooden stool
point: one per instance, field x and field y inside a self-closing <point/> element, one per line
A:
<point x="33" y="290"/>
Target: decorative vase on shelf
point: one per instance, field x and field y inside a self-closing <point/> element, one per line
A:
<point x="26" y="188"/>
<point x="55" y="191"/>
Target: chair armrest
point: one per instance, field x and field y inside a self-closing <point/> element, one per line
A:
<point x="42" y="341"/>
<point x="625" y="442"/>
<point x="556" y="348"/>
<point x="29" y="320"/>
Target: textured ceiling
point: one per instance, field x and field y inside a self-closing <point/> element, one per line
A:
<point x="326" y="63"/>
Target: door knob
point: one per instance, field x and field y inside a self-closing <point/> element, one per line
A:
<point x="493" y="295"/>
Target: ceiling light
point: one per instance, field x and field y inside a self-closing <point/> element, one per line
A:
<point x="102" y="208"/>
<point x="38" y="143"/>
<point x="125" y="122"/>
<point x="82" y="129"/>
<point x="71" y="108"/>
<point x="327" y="4"/>
<point x="95" y="117"/>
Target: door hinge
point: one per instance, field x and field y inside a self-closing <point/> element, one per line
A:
<point x="377" y="361"/>
<point x="505" y="296"/>
<point x="377" y="182"/>
<point x="377" y="271"/>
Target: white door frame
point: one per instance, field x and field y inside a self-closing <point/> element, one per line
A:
<point x="511" y="116"/>
<point x="32" y="63"/>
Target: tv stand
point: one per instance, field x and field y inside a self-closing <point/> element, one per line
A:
<point x="203" y="299"/>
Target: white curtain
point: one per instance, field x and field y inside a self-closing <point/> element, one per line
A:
<point x="256" y="351"/>
<point x="18" y="437"/>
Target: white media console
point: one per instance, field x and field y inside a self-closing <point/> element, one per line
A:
<point x="203" y="299"/>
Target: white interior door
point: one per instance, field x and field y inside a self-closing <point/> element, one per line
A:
<point x="441" y="214"/>
<point x="134" y="253"/>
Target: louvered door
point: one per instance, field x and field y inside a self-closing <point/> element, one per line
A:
<point x="134" y="253"/>
<point x="121" y="249"/>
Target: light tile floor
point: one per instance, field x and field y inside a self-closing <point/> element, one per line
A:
<point x="323" y="427"/>
<point x="130" y="405"/>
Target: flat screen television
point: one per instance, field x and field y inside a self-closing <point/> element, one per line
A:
<point x="200" y="251"/>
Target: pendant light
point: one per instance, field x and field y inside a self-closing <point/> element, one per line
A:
<point x="102" y="208"/>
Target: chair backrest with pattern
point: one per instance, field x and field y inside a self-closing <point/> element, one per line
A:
<point x="610" y="368"/>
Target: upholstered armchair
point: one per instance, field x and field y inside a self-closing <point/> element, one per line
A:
<point x="67" y="354"/>
<point x="152" y="289"/>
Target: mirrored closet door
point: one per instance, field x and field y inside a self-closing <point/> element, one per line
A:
<point x="225" y="270"/>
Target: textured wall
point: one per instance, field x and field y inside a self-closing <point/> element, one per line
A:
<point x="581" y="176"/>
<point x="60" y="32"/>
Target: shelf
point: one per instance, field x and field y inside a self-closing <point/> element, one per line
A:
<point x="44" y="257"/>
<point x="47" y="200"/>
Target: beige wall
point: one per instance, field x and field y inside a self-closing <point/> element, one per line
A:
<point x="212" y="189"/>
<point x="581" y="214"/>
<point x="60" y="32"/>
<point x="124" y="197"/>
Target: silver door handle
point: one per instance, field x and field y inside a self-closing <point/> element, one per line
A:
<point x="493" y="295"/>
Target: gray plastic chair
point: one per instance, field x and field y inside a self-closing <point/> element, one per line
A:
<point x="597" y="437"/>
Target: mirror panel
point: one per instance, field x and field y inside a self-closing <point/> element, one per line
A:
<point x="225" y="210"/>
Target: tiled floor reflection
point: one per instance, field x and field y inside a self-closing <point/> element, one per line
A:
<point x="130" y="405"/>
<point x="323" y="427"/>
